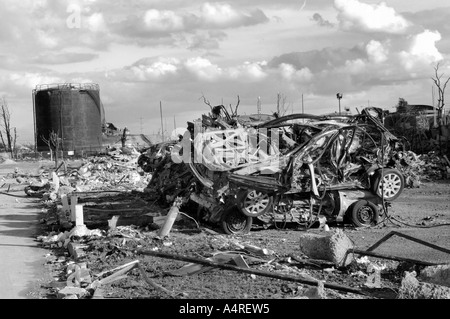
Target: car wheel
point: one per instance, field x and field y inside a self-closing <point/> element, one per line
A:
<point x="364" y="214"/>
<point x="391" y="186"/>
<point x="254" y="203"/>
<point x="234" y="222"/>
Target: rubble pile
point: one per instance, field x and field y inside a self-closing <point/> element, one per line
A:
<point x="108" y="264"/>
<point x="116" y="171"/>
<point x="135" y="262"/>
<point x="92" y="180"/>
<point x="424" y="167"/>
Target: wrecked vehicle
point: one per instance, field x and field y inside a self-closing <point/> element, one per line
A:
<point x="294" y="169"/>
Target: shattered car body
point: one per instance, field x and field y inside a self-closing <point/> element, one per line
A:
<point x="292" y="169"/>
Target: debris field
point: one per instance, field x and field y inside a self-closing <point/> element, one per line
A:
<point x="134" y="224"/>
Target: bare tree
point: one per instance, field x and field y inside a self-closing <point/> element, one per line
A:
<point x="53" y="142"/>
<point x="6" y="131"/>
<point x="216" y="110"/>
<point x="282" y="108"/>
<point x="441" y="85"/>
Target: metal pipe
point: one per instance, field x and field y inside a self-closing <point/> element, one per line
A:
<point x="378" y="255"/>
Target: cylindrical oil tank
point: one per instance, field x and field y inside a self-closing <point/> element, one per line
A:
<point x="73" y="111"/>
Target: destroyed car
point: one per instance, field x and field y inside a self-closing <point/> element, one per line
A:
<point x="295" y="169"/>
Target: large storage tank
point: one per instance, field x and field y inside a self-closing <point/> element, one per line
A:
<point x="73" y="111"/>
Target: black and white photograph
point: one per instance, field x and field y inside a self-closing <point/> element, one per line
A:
<point x="225" y="158"/>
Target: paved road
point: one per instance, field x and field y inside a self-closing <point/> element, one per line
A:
<point x="21" y="259"/>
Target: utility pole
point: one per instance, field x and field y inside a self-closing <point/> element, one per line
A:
<point x="162" y="126"/>
<point x="278" y="104"/>
<point x="303" y="109"/>
<point x="258" y="105"/>
<point x="339" y="97"/>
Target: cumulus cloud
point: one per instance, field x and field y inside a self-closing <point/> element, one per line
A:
<point x="289" y="73"/>
<point x="224" y="15"/>
<point x="251" y="71"/>
<point x="197" y="68"/>
<point x="175" y="25"/>
<point x="422" y="50"/>
<point x="163" y="21"/>
<point x="153" y="69"/>
<point x="203" y="69"/>
<point x="376" y="51"/>
<point x="424" y="45"/>
<point x="96" y="23"/>
<point x="357" y="16"/>
<point x="30" y="80"/>
<point x="201" y="40"/>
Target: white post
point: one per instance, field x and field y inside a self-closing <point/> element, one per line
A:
<point x="73" y="203"/>
<point x="79" y="218"/>
<point x="55" y="180"/>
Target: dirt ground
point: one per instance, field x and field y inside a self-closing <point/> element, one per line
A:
<point x="423" y="213"/>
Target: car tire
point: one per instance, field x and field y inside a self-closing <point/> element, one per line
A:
<point x="234" y="222"/>
<point x="364" y="214"/>
<point x="253" y="203"/>
<point x="394" y="184"/>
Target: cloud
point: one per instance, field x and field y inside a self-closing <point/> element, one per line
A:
<point x="321" y="21"/>
<point x="201" y="40"/>
<point x="163" y="21"/>
<point x="422" y="50"/>
<point x="288" y="72"/>
<point x="97" y="23"/>
<point x="249" y="71"/>
<point x="424" y="45"/>
<point x="203" y="69"/>
<point x="223" y="15"/>
<point x="30" y="80"/>
<point x="376" y="51"/>
<point x="153" y="69"/>
<point x="319" y="60"/>
<point x="194" y="69"/>
<point x="357" y="16"/>
<point x="63" y="58"/>
<point x="174" y="25"/>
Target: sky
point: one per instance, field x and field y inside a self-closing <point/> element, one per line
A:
<point x="180" y="53"/>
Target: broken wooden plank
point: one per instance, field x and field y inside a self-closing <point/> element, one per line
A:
<point x="171" y="216"/>
<point x="118" y="273"/>
<point x="250" y="271"/>
<point x="117" y="268"/>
